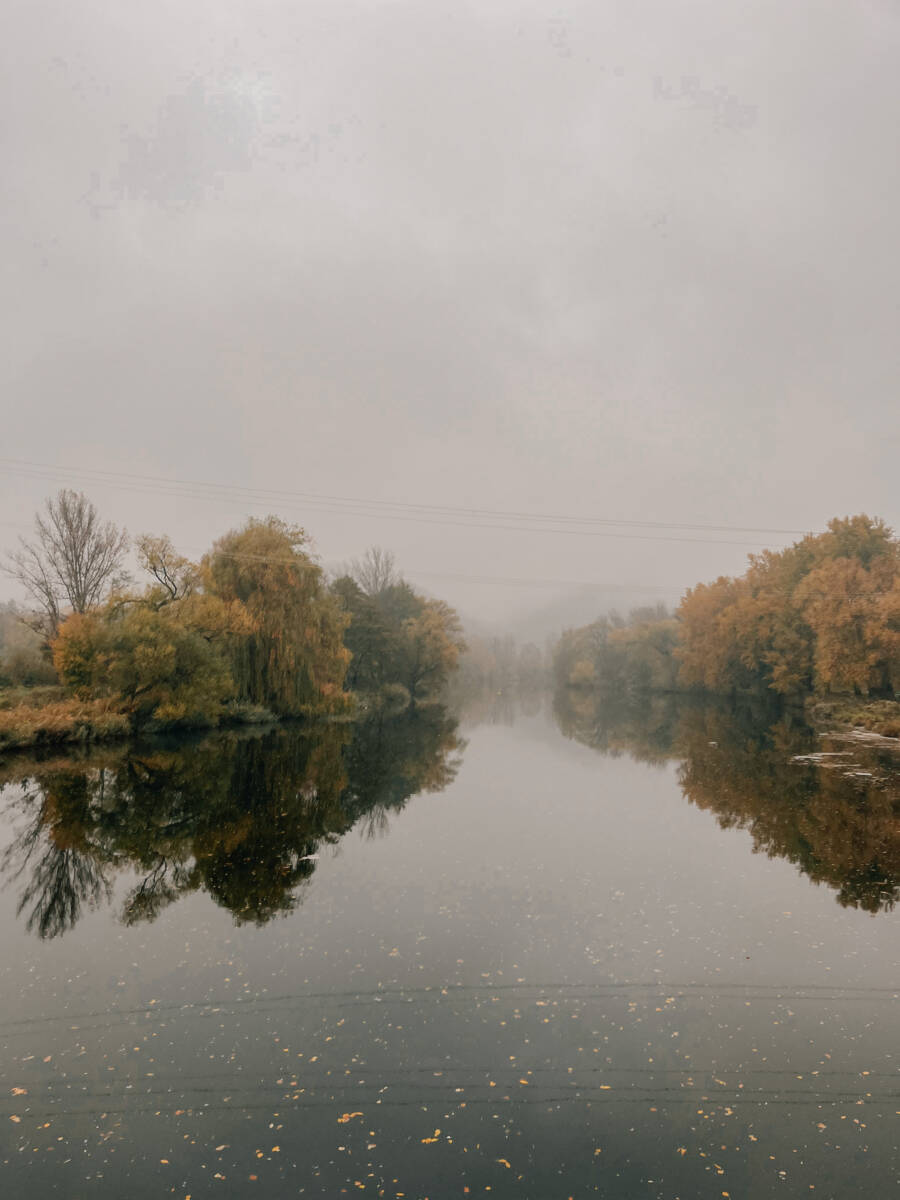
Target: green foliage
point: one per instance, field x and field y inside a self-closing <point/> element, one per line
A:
<point x="620" y="657"/>
<point x="398" y="638"/>
<point x="152" y="661"/>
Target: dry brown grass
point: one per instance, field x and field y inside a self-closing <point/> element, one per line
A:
<point x="61" y="721"/>
<point x="30" y="697"/>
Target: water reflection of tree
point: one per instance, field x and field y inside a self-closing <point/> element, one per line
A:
<point x="492" y="706"/>
<point x="839" y="825"/>
<point x="239" y="817"/>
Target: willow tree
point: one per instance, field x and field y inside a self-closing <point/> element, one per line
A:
<point x="294" y="660"/>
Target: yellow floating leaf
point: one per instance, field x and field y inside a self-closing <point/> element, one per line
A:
<point x="504" y="1162"/>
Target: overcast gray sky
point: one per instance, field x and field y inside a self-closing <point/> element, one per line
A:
<point x="629" y="260"/>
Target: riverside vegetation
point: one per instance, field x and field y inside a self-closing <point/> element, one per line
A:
<point x="817" y="623"/>
<point x="252" y="632"/>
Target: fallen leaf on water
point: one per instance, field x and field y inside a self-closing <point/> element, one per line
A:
<point x="504" y="1162"/>
<point x="20" y="1091"/>
<point x="16" y="1119"/>
<point x="345" y="1117"/>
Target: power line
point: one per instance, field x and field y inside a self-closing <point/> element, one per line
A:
<point x="472" y="518"/>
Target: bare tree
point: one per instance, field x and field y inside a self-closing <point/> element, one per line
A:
<point x="72" y="562"/>
<point x="375" y="572"/>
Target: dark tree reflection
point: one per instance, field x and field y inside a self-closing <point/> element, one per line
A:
<point x="830" y="807"/>
<point x="239" y="816"/>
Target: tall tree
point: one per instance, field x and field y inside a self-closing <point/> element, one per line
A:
<point x="294" y="660"/>
<point x="375" y="572"/>
<point x="71" y="563"/>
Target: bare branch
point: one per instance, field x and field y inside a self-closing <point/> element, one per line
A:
<point x="375" y="572"/>
<point x="176" y="575"/>
<point x="72" y="562"/>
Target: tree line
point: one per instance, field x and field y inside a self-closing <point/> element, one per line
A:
<point x="819" y="617"/>
<point x="253" y="628"/>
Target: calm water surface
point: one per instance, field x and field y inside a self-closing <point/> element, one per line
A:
<point x="545" y="953"/>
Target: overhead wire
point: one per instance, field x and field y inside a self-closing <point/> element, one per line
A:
<point x="370" y="507"/>
<point x="376" y="508"/>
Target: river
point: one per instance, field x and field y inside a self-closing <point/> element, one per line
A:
<point x="541" y="951"/>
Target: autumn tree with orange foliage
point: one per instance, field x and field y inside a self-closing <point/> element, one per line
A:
<point x="821" y="616"/>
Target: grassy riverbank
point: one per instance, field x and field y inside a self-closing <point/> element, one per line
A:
<point x="855" y="712"/>
<point x="46" y="716"/>
<point x="31" y="722"/>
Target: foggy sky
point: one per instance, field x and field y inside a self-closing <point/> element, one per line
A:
<point x="632" y="260"/>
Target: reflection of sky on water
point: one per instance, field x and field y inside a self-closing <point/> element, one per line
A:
<point x="556" y="962"/>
